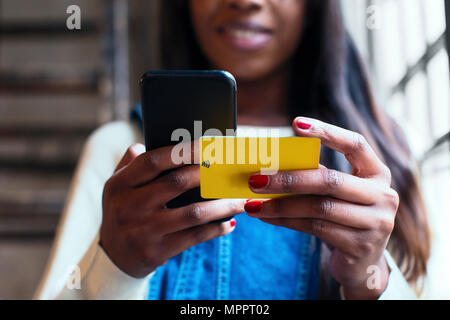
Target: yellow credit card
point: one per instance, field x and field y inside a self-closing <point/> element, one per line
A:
<point x="226" y="163"/>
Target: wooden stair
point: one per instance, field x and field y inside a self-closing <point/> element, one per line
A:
<point x="56" y="86"/>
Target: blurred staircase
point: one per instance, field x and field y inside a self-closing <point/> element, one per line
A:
<point x="56" y="86"/>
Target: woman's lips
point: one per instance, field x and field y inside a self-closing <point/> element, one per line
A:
<point x="245" y="36"/>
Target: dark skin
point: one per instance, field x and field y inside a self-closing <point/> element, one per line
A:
<point x="266" y="101"/>
<point x="262" y="73"/>
<point x="352" y="213"/>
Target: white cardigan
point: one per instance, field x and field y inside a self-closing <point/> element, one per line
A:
<point x="76" y="254"/>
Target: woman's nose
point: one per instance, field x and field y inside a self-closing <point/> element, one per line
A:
<point x="245" y="5"/>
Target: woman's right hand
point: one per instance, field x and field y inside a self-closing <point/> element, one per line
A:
<point x="138" y="232"/>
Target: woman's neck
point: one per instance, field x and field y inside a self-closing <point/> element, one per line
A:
<point x="264" y="102"/>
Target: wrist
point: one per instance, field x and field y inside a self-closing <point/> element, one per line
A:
<point x="373" y="286"/>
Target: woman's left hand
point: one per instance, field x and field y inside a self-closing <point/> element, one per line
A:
<point x="353" y="214"/>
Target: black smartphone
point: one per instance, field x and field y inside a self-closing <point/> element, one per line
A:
<point x="186" y="100"/>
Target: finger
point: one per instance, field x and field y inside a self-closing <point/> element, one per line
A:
<point x="353" y="145"/>
<point x="149" y="165"/>
<point x="170" y="185"/>
<point x="341" y="237"/>
<point x="324" y="208"/>
<point x="320" y="181"/>
<point x="329" y="246"/>
<point x="132" y="153"/>
<point x="198" y="214"/>
<point x="163" y="189"/>
<point x="182" y="240"/>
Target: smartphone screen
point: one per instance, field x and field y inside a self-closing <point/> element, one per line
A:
<point x="188" y="103"/>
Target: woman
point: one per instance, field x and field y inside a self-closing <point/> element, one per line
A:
<point x="295" y="66"/>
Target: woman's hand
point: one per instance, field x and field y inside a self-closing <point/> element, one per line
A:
<point x="138" y="232"/>
<point x="353" y="214"/>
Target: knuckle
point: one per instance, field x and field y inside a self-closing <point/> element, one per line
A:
<point x="317" y="227"/>
<point x="392" y="199"/>
<point x="325" y="207"/>
<point x="361" y="243"/>
<point x="235" y="207"/>
<point x="385" y="224"/>
<point x="177" y="180"/>
<point x="332" y="179"/>
<point x="151" y="160"/>
<point x="195" y="213"/>
<point x="201" y="235"/>
<point x="351" y="260"/>
<point x="359" y="143"/>
<point x="287" y="181"/>
<point x="384" y="173"/>
<point x="364" y="247"/>
<point x="327" y="134"/>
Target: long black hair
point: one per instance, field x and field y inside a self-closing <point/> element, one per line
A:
<point x="329" y="82"/>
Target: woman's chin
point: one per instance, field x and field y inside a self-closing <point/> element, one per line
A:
<point x="248" y="73"/>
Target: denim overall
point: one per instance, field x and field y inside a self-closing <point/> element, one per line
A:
<point x="256" y="261"/>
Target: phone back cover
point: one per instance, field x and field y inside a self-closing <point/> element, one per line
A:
<point x="173" y="100"/>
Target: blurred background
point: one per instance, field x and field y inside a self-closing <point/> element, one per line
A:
<point x="58" y="85"/>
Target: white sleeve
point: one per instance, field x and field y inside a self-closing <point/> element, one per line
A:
<point x="76" y="242"/>
<point x="97" y="277"/>
<point x="397" y="287"/>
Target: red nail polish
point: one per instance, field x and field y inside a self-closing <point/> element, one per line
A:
<point x="258" y="182"/>
<point x="253" y="206"/>
<point x="232" y="223"/>
<point x="303" y="125"/>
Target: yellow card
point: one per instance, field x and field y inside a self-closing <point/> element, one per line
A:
<point x="226" y="163"/>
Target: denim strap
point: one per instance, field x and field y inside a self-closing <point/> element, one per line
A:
<point x="224" y="266"/>
<point x="184" y="287"/>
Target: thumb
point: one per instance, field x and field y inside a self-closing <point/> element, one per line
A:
<point x="132" y="153"/>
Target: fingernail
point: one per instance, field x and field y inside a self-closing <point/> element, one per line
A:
<point x="258" y="182"/>
<point x="253" y="206"/>
<point x="303" y="125"/>
<point x="232" y="223"/>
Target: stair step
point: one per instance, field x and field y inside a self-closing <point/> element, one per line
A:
<point x="49" y="83"/>
<point x="63" y="55"/>
<point x="32" y="192"/>
<point x="31" y="201"/>
<point x="45" y="29"/>
<point x="63" y="113"/>
<point x="50" y="10"/>
<point x="27" y="226"/>
<point x="46" y="152"/>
